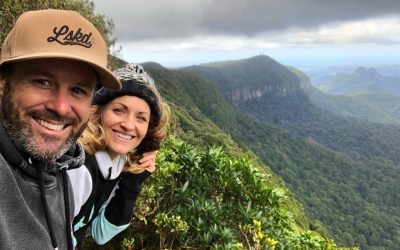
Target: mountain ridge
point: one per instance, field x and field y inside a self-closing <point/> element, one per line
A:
<point x="259" y="69"/>
<point x="361" y="81"/>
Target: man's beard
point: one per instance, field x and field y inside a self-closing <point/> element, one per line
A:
<point x="15" y="121"/>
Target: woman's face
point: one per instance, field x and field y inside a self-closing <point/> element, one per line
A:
<point x="125" y="122"/>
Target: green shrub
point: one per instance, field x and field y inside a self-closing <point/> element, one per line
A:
<point x="206" y="199"/>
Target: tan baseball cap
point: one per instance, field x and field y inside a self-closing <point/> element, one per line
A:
<point x="58" y="34"/>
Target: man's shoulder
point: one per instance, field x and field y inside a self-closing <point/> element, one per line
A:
<point x="5" y="170"/>
<point x="3" y="163"/>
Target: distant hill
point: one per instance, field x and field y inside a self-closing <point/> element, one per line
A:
<point x="316" y="72"/>
<point x="361" y="81"/>
<point x="245" y="79"/>
<point x="389" y="70"/>
<point x="377" y="107"/>
<point x="324" y="157"/>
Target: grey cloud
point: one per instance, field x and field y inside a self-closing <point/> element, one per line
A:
<point x="152" y="19"/>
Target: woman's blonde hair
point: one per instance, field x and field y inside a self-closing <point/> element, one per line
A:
<point x="93" y="138"/>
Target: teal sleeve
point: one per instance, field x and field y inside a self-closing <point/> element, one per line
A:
<point x="102" y="230"/>
<point x="74" y="243"/>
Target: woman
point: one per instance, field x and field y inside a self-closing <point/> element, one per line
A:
<point x="126" y="128"/>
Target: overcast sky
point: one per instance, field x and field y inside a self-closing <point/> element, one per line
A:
<point x="178" y="33"/>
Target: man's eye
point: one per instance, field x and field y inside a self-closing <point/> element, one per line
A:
<point x="42" y="82"/>
<point x="78" y="91"/>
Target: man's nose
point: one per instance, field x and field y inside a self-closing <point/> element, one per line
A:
<point x="59" y="102"/>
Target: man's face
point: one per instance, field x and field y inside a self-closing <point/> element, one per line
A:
<point x="46" y="105"/>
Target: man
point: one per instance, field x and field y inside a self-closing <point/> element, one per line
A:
<point x="50" y="63"/>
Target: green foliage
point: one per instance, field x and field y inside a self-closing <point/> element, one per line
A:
<point x="169" y="228"/>
<point x="127" y="243"/>
<point x="206" y="199"/>
<point x="357" y="138"/>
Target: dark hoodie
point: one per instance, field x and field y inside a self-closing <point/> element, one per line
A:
<point x="34" y="201"/>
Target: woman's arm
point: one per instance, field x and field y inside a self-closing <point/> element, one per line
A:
<point x="115" y="216"/>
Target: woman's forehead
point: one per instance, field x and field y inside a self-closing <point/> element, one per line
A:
<point x="131" y="102"/>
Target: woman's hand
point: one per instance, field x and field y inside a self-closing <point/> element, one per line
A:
<point x="148" y="161"/>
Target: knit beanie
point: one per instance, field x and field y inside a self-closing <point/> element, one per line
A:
<point x="135" y="82"/>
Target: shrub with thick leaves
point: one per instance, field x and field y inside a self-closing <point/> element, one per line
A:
<point x="224" y="201"/>
<point x="206" y="199"/>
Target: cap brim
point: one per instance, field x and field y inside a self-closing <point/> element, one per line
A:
<point x="107" y="78"/>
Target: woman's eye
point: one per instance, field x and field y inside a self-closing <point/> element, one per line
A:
<point x="118" y="111"/>
<point x="142" y="118"/>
